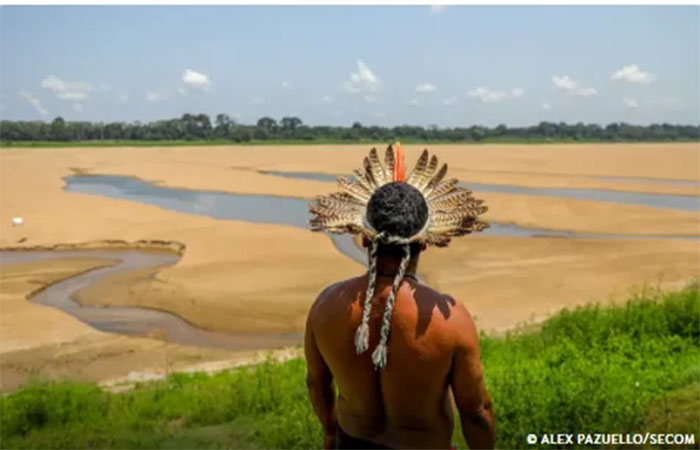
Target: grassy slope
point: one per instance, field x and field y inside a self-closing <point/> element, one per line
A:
<point x="590" y="370"/>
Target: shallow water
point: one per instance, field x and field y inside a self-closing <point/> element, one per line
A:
<point x="141" y="321"/>
<point x="135" y="320"/>
<point x="667" y="181"/>
<point x="220" y="205"/>
<point x="266" y="208"/>
<point x="681" y="202"/>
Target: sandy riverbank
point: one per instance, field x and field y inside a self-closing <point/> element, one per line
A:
<point x="40" y="340"/>
<point x="245" y="277"/>
<point x="229" y="169"/>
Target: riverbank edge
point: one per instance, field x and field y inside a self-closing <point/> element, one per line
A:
<point x="248" y="357"/>
<point x="152" y="245"/>
<point x="80" y="172"/>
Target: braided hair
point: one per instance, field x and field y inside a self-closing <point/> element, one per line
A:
<point x="397" y="211"/>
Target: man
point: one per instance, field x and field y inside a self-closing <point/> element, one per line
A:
<point x="425" y="343"/>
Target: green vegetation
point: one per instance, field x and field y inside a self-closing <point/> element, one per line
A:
<point x="676" y="412"/>
<point x="198" y="129"/>
<point x="593" y="369"/>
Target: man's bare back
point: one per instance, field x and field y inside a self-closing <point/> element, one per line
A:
<point x="433" y="346"/>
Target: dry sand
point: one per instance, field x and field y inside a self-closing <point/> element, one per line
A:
<point x="231" y="169"/>
<point x="506" y="281"/>
<point x="243" y="277"/>
<point x="40" y="340"/>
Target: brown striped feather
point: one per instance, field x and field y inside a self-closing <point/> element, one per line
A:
<point x="418" y="169"/>
<point x="424" y="179"/>
<point x="389" y="162"/>
<point x="353" y="188"/>
<point x="453" y="199"/>
<point x="339" y="221"/>
<point x="376" y="167"/>
<point x="328" y="206"/>
<point x="442" y="188"/>
<point x="362" y="179"/>
<point x="367" y="165"/>
<point x="430" y="187"/>
<point x="438" y="240"/>
<point x="345" y="197"/>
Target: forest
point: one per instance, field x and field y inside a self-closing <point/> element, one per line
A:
<point x="200" y="127"/>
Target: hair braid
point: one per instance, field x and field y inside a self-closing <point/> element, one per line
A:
<point x="362" y="333"/>
<point x="379" y="356"/>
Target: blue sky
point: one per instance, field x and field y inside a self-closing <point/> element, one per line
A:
<point x="390" y="65"/>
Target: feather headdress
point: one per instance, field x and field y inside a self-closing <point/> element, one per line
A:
<point x="452" y="211"/>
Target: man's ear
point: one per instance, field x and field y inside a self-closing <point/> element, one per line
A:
<point x="365" y="242"/>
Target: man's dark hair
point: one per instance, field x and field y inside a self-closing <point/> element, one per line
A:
<point x="398" y="209"/>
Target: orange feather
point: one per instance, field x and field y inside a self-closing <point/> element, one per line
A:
<point x="399" y="167"/>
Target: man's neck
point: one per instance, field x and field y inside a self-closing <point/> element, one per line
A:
<point x="388" y="267"/>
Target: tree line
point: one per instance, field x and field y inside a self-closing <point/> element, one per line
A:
<point x="199" y="127"/>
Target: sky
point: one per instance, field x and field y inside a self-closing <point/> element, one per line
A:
<point x="335" y="65"/>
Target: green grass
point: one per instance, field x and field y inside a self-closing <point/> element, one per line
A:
<point x="320" y="141"/>
<point x="676" y="411"/>
<point x="593" y="369"/>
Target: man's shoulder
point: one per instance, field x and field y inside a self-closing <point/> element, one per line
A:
<point x="333" y="292"/>
<point x="462" y="323"/>
<point x="457" y="308"/>
<point x="457" y="318"/>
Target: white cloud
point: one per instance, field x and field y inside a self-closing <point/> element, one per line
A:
<point x="449" y="101"/>
<point x="70" y="91"/>
<point x="572" y="87"/>
<point x="287" y="84"/>
<point x="363" y="80"/>
<point x="78" y="107"/>
<point x="633" y="74"/>
<point x="35" y="102"/>
<point x="57" y="85"/>
<point x="369" y="99"/>
<point x="413" y="101"/>
<point x="425" y="88"/>
<point x="123" y="97"/>
<point x="486" y="95"/>
<point x="182" y="91"/>
<point x="564" y="82"/>
<point x="379" y="115"/>
<point x="73" y="96"/>
<point x="155" y="96"/>
<point x="105" y="87"/>
<point x="258" y="100"/>
<point x="196" y="80"/>
<point x="630" y="103"/>
<point x="437" y="9"/>
<point x="546" y="106"/>
<point x="587" y="92"/>
<point x="327" y="99"/>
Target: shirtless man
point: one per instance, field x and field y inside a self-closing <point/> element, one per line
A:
<point x="399" y="397"/>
